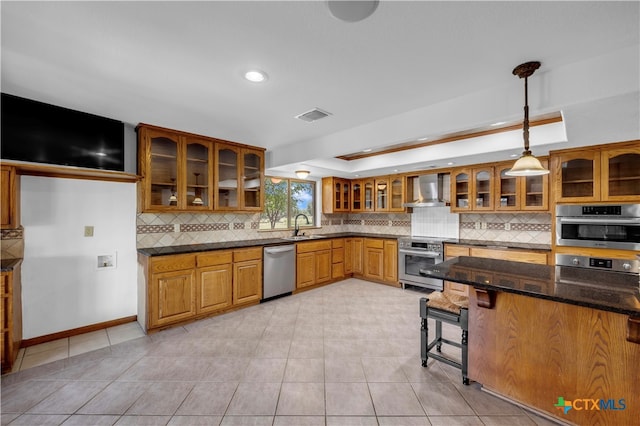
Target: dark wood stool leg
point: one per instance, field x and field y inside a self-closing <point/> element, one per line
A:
<point x="424" y="331"/>
<point x="464" y="324"/>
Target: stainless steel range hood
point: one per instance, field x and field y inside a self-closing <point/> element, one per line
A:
<point x="430" y="190"/>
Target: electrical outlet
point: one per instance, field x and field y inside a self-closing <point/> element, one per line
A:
<point x="477" y="225"/>
<point x="88" y="231"/>
<point x="483" y="225"/>
<point x="507" y="226"/>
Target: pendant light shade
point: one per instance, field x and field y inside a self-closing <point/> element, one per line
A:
<point x="302" y="174"/>
<point x="527" y="165"/>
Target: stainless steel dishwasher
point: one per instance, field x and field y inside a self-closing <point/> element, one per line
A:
<point x="279" y="271"/>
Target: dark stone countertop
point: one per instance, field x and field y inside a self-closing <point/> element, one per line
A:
<point x="604" y="290"/>
<point x="7" y="265"/>
<point x="502" y="244"/>
<point x="195" y="248"/>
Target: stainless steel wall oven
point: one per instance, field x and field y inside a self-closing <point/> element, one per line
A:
<point x="601" y="226"/>
<point x="415" y="254"/>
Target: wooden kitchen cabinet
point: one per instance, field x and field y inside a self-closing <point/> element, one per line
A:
<point x="380" y="259"/>
<point x="171" y="289"/>
<point x="381" y="191"/>
<point x="186" y="172"/>
<point x="472" y="189"/>
<point x="396" y="193"/>
<point x="520" y="193"/>
<point x="336" y="195"/>
<point x="353" y="252"/>
<point x="357" y="196"/>
<point x="313" y="263"/>
<point x="10" y="317"/>
<point x="599" y="173"/>
<point x="337" y="259"/>
<point x="390" y="266"/>
<point x="238" y="178"/>
<point x="369" y="195"/>
<point x="9" y="198"/>
<point x="186" y="287"/>
<point x="451" y="251"/>
<point x="247" y="275"/>
<point x="214" y="279"/>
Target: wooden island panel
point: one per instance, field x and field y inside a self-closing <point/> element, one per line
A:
<point x="533" y="351"/>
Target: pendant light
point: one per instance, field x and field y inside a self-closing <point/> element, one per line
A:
<point x="527" y="165"/>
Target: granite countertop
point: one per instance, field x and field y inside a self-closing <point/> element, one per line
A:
<point x="7" y="265"/>
<point x="502" y="244"/>
<point x="604" y="290"/>
<point x="195" y="248"/>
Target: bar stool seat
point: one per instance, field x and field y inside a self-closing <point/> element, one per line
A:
<point x="451" y="309"/>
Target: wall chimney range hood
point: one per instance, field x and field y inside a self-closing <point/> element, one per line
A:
<point x="430" y="190"/>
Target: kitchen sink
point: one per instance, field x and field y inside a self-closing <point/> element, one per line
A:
<point x="304" y="237"/>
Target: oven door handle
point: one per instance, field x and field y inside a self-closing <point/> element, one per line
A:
<point x="630" y="221"/>
<point x="433" y="254"/>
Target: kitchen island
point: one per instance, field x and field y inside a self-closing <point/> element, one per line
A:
<point x="558" y="340"/>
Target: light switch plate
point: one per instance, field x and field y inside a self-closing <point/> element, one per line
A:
<point x="88" y="231"/>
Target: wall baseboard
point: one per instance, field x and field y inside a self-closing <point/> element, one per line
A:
<point x="76" y="331"/>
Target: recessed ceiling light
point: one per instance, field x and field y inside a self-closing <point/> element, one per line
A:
<point x="450" y="163"/>
<point x="255" y="76"/>
<point x="498" y="123"/>
<point x="422" y="139"/>
<point x="514" y="155"/>
<point x="366" y="150"/>
<point x="396" y="170"/>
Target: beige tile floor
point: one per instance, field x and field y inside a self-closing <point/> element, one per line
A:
<point x="344" y="354"/>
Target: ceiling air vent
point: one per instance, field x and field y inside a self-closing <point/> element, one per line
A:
<point x="313" y="115"/>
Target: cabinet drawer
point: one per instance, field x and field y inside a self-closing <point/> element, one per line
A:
<point x="454" y="251"/>
<point x="254" y="253"/>
<point x="374" y="243"/>
<point x="173" y="263"/>
<point x="4" y="283"/>
<point x="215" y="258"/>
<point x="510" y="254"/>
<point x="339" y="243"/>
<point x="314" y="246"/>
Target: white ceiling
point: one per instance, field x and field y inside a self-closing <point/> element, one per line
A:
<point x="412" y="69"/>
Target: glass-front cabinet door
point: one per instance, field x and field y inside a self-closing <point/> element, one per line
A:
<point x="576" y="176"/>
<point x="368" y="195"/>
<point x="396" y="192"/>
<point x="508" y="194"/>
<point x="198" y="176"/>
<point x="356" y="196"/>
<point x="483" y="189"/>
<point x="252" y="179"/>
<point x="227" y="177"/>
<point x="382" y="194"/>
<point x="460" y="189"/>
<point x="534" y="191"/>
<point x="621" y="174"/>
<point x="163" y="184"/>
<point x="346" y="192"/>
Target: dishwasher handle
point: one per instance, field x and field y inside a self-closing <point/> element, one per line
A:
<point x="276" y="250"/>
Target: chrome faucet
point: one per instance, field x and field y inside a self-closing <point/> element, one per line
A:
<point x="296" y="229"/>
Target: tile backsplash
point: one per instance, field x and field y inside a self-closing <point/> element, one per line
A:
<point x="519" y="227"/>
<point x="167" y="229"/>
<point x="12" y="243"/>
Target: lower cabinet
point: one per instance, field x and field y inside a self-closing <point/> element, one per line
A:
<point x="247" y="276"/>
<point x="185" y="287"/>
<point x="337" y="258"/>
<point x="313" y="263"/>
<point x="381" y="260"/>
<point x="10" y="317"/>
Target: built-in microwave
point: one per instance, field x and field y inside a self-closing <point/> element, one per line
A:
<point x="601" y="226"/>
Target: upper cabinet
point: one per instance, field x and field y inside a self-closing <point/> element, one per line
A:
<point x="185" y="172"/>
<point x="9" y="202"/>
<point x="239" y="175"/>
<point x="472" y="189"/>
<point x="380" y="194"/>
<point x="601" y="173"/>
<point x="336" y="193"/>
<point x="522" y="193"/>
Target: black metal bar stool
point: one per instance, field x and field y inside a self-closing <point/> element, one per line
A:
<point x="451" y="309"/>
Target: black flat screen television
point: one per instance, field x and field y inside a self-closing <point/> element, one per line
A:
<point x="43" y="133"/>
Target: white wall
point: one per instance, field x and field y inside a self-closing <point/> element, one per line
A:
<point x="62" y="287"/>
